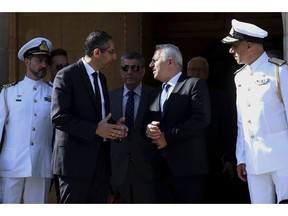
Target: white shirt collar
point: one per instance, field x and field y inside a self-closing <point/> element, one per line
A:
<point x="88" y="68"/>
<point x="137" y="90"/>
<point x="173" y="81"/>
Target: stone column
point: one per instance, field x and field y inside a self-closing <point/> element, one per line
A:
<point x="4" y="44"/>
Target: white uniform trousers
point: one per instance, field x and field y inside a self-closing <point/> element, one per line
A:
<point x="269" y="187"/>
<point x="32" y="190"/>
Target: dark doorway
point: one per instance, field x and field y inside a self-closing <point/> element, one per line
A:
<point x="200" y="34"/>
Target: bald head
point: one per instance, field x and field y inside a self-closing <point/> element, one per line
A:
<point x="198" y="67"/>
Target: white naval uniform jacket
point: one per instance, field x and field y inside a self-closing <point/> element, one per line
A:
<point x="27" y="147"/>
<point x="262" y="141"/>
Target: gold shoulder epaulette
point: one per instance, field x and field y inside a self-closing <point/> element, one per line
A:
<point x="277" y="61"/>
<point x="240" y="69"/>
<point x="9" y="84"/>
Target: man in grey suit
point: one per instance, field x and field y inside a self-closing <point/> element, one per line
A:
<point x="131" y="158"/>
<point x="177" y="115"/>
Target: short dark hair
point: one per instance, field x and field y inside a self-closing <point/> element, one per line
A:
<point x="134" y="55"/>
<point x="58" y="51"/>
<point x="96" y="39"/>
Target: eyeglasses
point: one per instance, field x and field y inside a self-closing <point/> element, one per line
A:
<point x="112" y="52"/>
<point x="60" y="66"/>
<point x="133" y="68"/>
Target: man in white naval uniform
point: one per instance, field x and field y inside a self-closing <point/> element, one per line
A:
<point x="262" y="142"/>
<point x="25" y="160"/>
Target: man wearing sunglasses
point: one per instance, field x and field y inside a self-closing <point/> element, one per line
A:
<point x="132" y="173"/>
<point x="59" y="60"/>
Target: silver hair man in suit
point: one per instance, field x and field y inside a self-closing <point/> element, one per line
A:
<point x="177" y="116"/>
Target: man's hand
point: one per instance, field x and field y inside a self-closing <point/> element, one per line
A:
<point x="153" y="131"/>
<point x="241" y="171"/>
<point x="121" y="122"/>
<point x="160" y="142"/>
<point x="228" y="168"/>
<point x="111" y="131"/>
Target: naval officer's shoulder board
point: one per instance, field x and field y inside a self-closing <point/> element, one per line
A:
<point x="278" y="62"/>
<point x="8" y="85"/>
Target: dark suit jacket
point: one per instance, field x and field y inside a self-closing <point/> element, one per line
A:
<point x="140" y="149"/>
<point x="186" y="116"/>
<point x="221" y="138"/>
<point x="75" y="115"/>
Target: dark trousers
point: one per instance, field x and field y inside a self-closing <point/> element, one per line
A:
<point x="92" y="189"/>
<point x="135" y="189"/>
<point x="179" y="189"/>
<point x="83" y="190"/>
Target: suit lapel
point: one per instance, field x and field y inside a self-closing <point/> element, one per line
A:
<point x="142" y="106"/>
<point x="179" y="84"/>
<point x="116" y="104"/>
<point x="105" y="93"/>
<point x="155" y="105"/>
<point x="88" y="86"/>
<point x="181" y="81"/>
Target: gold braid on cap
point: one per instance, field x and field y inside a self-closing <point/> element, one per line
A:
<point x="43" y="46"/>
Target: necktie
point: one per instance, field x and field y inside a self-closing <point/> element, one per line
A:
<point x="129" y="112"/>
<point x="164" y="97"/>
<point x="97" y="91"/>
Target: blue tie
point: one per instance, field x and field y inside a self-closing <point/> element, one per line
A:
<point x="164" y="97"/>
<point x="129" y="112"/>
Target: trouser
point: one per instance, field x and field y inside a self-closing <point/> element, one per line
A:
<point x="30" y="190"/>
<point x="179" y="189"/>
<point x="135" y="188"/>
<point x="269" y="187"/>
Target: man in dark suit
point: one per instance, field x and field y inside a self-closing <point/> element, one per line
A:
<point x="131" y="159"/>
<point x="178" y="115"/>
<point x="80" y="114"/>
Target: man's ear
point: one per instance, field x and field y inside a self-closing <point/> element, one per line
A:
<point x="96" y="52"/>
<point x="170" y="61"/>
<point x="26" y="61"/>
<point x="250" y="44"/>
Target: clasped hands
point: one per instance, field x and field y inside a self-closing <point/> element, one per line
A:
<point x="116" y="131"/>
<point x="153" y="132"/>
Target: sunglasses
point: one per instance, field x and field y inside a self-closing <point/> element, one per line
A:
<point x="60" y="66"/>
<point x="133" y="68"/>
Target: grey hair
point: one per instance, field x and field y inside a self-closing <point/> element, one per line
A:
<point x="171" y="51"/>
<point x="202" y="60"/>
